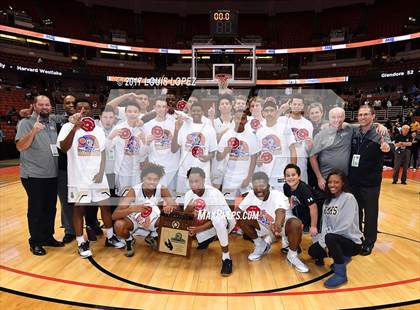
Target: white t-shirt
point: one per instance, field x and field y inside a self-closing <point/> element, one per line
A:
<point x="220" y="126"/>
<point x="218" y="167"/>
<point x="213" y="200"/>
<point x="109" y="165"/>
<point x="267" y="209"/>
<point x="129" y="152"/>
<point x="84" y="156"/>
<point x="160" y="148"/>
<point x="254" y="124"/>
<point x="274" y="143"/>
<point x="199" y="137"/>
<point x="245" y="145"/>
<point x="302" y="129"/>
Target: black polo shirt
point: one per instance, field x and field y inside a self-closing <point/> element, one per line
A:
<point x="368" y="146"/>
<point x="402" y="138"/>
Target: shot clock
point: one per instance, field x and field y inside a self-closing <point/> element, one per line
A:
<point x="223" y="23"/>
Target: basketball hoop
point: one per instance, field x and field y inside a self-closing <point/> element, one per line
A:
<point x="223" y="81"/>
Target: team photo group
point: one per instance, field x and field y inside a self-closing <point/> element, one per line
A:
<point x="267" y="169"/>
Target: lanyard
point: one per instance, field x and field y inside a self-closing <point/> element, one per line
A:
<point x="49" y="132"/>
<point x="360" y="141"/>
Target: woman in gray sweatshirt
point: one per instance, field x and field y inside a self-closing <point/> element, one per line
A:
<point x="340" y="237"/>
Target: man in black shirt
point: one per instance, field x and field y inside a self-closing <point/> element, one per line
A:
<point x="66" y="209"/>
<point x="365" y="173"/>
<point x="402" y="154"/>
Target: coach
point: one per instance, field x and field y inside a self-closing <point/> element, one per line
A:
<point x="36" y="141"/>
<point x="365" y="173"/>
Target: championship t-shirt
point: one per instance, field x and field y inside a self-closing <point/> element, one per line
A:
<point x="196" y="140"/>
<point x="302" y="130"/>
<point x="129" y="150"/>
<point x="243" y="146"/>
<point x="254" y="124"/>
<point x="212" y="200"/>
<point x="84" y="156"/>
<point x="266" y="210"/>
<point x="160" y="153"/>
<point x="274" y="143"/>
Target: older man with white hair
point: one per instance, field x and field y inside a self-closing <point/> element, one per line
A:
<point x="402" y="154"/>
<point x="331" y="149"/>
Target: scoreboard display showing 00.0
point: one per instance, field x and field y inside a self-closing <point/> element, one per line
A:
<point x="223" y="23"/>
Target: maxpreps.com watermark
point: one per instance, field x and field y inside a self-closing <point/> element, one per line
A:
<point x="153" y="81"/>
<point x="237" y="215"/>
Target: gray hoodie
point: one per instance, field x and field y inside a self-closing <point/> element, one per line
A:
<point x="341" y="216"/>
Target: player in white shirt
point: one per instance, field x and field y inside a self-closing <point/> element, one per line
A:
<point x="130" y="149"/>
<point x="198" y="145"/>
<point x="240" y="103"/>
<point x="256" y="120"/>
<point x="106" y="122"/>
<point x="223" y="120"/>
<point x="141" y="99"/>
<point x="159" y="134"/>
<point x="277" y="145"/>
<point x="302" y="130"/>
<point x="241" y="149"/>
<point x="85" y="150"/>
<point x="186" y="112"/>
<point x="221" y="124"/>
<point x="138" y="212"/>
<point x="205" y="199"/>
<point x="274" y="219"/>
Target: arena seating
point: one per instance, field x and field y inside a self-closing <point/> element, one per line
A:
<point x="284" y="30"/>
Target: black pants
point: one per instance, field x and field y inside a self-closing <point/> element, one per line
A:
<point x="402" y="159"/>
<point x="368" y="199"/>
<point x="319" y="196"/>
<point x="414" y="155"/>
<point x="338" y="246"/>
<point x="66" y="208"/>
<point x="42" y="200"/>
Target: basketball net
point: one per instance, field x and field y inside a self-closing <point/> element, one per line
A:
<point x="223" y="82"/>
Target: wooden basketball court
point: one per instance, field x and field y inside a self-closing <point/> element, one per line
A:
<point x="152" y="280"/>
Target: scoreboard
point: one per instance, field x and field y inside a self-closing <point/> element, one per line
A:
<point x="223" y="23"/>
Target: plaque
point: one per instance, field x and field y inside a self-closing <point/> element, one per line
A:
<point x="173" y="233"/>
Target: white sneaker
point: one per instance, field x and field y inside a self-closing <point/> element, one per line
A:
<point x="268" y="239"/>
<point x="114" y="242"/>
<point x="260" y="251"/>
<point x="284" y="244"/>
<point x="296" y="262"/>
<point x="84" y="250"/>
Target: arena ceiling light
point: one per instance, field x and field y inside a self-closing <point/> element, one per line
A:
<point x="259" y="57"/>
<point x="109" y="52"/>
<point x="6" y="36"/>
<point x="200" y="57"/>
<point x="36" y="42"/>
